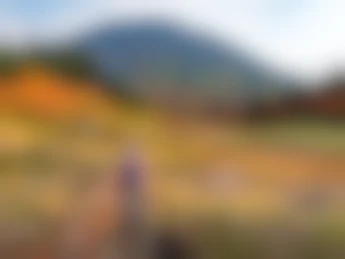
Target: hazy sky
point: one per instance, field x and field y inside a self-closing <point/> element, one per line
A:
<point x="305" y="37"/>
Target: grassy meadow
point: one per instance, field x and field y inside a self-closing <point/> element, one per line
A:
<point x="235" y="189"/>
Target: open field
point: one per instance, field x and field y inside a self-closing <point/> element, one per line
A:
<point x="195" y="170"/>
<point x="198" y="173"/>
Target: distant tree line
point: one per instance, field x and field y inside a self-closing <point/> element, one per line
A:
<point x="78" y="65"/>
<point x="9" y="63"/>
<point x="326" y="103"/>
<point x="69" y="63"/>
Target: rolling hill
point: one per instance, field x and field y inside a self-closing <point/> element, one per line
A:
<point x="160" y="61"/>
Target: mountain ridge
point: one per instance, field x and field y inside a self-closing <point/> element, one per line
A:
<point x="162" y="57"/>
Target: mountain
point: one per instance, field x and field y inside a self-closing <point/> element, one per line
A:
<point x="161" y="61"/>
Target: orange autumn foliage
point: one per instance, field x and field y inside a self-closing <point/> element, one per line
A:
<point x="41" y="92"/>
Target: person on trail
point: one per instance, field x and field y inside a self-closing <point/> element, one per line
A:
<point x="139" y="240"/>
<point x="135" y="237"/>
<point x="111" y="221"/>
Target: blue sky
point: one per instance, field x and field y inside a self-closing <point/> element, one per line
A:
<point x="304" y="37"/>
<point x="36" y="10"/>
